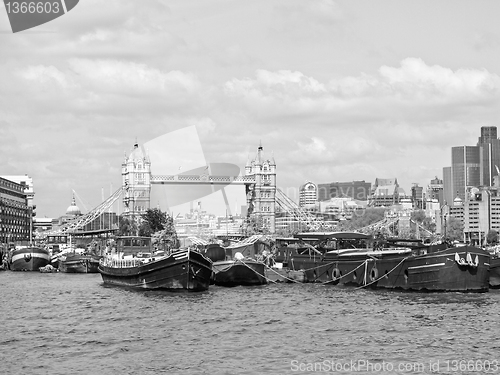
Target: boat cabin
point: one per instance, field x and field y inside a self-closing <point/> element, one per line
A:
<point x="134" y="245"/>
<point x="56" y="243"/>
<point x="319" y="243"/>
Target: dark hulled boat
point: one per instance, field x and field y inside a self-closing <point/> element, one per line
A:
<point x="338" y="258"/>
<point x="495" y="272"/>
<point x="236" y="271"/>
<point x="134" y="265"/>
<point x="79" y="263"/>
<point x="29" y="258"/>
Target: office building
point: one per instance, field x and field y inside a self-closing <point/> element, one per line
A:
<point x="15" y="213"/>
<point x="473" y="166"/>
<point x="489" y="150"/>
<point x="435" y="190"/>
<point x="481" y="214"/>
<point x="308" y="195"/>
<point x="448" y="195"/>
<point x="385" y="192"/>
<point x="417" y="197"/>
<point x="465" y="168"/>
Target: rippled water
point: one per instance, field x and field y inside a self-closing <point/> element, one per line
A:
<point x="72" y="323"/>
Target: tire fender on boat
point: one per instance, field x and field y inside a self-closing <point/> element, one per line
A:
<point x="336" y="274"/>
<point x="374" y="273"/>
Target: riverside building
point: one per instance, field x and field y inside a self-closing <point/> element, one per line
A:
<point x="15" y="212"/>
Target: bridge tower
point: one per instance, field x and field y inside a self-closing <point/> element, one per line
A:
<point x="136" y="182"/>
<point x="261" y="195"/>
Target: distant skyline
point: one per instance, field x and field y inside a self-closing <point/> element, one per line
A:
<point x="336" y="90"/>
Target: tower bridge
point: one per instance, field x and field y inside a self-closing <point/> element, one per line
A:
<point x="259" y="181"/>
<point x="202" y="179"/>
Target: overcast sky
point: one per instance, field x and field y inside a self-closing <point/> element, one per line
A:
<point x="337" y="90"/>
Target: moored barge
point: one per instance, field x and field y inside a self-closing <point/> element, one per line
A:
<point x="135" y="265"/>
<point x="346" y="258"/>
<point x="234" y="270"/>
<point x="29" y="258"/>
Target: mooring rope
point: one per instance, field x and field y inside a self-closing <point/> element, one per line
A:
<point x="348" y="273"/>
<point x="266" y="278"/>
<point x="323" y="265"/>
<point x="287" y="278"/>
<point x="384" y="275"/>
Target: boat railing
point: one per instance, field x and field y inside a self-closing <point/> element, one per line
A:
<point x="121" y="263"/>
<point x="395" y="249"/>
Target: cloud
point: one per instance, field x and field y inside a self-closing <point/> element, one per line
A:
<point x="129" y="78"/>
<point x="358" y="127"/>
<point x="93" y="86"/>
<point x="45" y="75"/>
<point x="412" y="86"/>
<point x="396" y="122"/>
<point x="414" y="79"/>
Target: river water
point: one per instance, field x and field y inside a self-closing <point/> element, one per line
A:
<point x="73" y="324"/>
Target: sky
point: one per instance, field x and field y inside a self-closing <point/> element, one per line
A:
<point x="335" y="90"/>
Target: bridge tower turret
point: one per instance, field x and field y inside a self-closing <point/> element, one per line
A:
<point x="136" y="182"/>
<point x="261" y="196"/>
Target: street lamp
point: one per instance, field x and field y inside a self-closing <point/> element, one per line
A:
<point x="445" y="213"/>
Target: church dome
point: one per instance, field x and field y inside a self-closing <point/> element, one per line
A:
<point x="73" y="209"/>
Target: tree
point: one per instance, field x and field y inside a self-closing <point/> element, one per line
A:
<point x="166" y="237"/>
<point x="126" y="226"/>
<point x="454" y="229"/>
<point x="153" y="220"/>
<point x="492" y="236"/>
<point x="418" y="216"/>
<point x="361" y="219"/>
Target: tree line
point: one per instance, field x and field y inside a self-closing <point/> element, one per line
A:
<point x="152" y="223"/>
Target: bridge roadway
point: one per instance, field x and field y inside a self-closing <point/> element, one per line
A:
<point x="202" y="179"/>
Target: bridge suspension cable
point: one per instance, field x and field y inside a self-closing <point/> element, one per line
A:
<point x="382" y="225"/>
<point x="302" y="216"/>
<point x="83" y="220"/>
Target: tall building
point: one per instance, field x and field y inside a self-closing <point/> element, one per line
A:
<point x="489" y="150"/>
<point x="447" y="186"/>
<point x="359" y="190"/>
<point x="308" y="195"/>
<point x="465" y="168"/>
<point x="417" y="196"/>
<point x="488" y="134"/>
<point x="473" y="166"/>
<point x="435" y="191"/>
